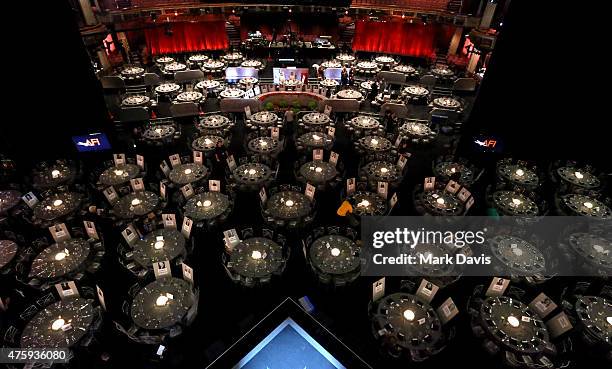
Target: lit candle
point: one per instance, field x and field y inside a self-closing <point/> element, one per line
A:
<point x="364" y="204"/>
<point x="208" y="141"/>
<point x="187" y="171"/>
<point x="516" y="202"/>
<point x="136" y="202"/>
<point x="579" y="175"/>
<point x="609" y="319"/>
<point x="58" y="324"/>
<point x="158" y="130"/>
<point x="384" y="170"/>
<point x="60" y="256"/>
<point x="409" y="315"/>
<point x="57" y="202"/>
<point x="440" y="200"/>
<point x="289" y="203"/>
<point x="318" y="169"/>
<point x="588" y="205"/>
<point x="159" y="244"/>
<point x="252" y="171"/>
<point x="316" y="137"/>
<point x="453" y="170"/>
<point x="118" y="172"/>
<point x="161" y="300"/>
<point x="374" y="142"/>
<point x="263" y="143"/>
<point x="513" y="321"/>
<point x="520" y="172"/>
<point x="335" y="251"/>
<point x="256" y="255"/>
<point x="55" y="173"/>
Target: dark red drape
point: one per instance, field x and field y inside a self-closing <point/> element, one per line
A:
<point x="187" y="36"/>
<point x="400" y="37"/>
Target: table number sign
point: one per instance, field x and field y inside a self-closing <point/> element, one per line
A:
<point x="67" y="289"/>
<point x="498" y="286"/>
<point x="140" y="161"/>
<point x="214" y="185"/>
<point x="59" y="232"/>
<point x="165" y="168"/>
<point x="119" y="159"/>
<point x="186" y="228"/>
<point x="542" y="305"/>
<point x="469" y="203"/>
<point x="275" y="132"/>
<point x="247" y="112"/>
<point x="30" y="199"/>
<point x="350" y="186"/>
<point x="187" y="190"/>
<point x="333" y="158"/>
<point x="383" y="189"/>
<point x="169" y="220"/>
<point x="175" y="160"/>
<point x="401" y="162"/>
<point x="187" y="272"/>
<point x="378" y="289"/>
<point x="162" y="190"/>
<point x="427" y="290"/>
<point x="310" y="191"/>
<point x="197" y="157"/>
<point x="429" y="184"/>
<point x="162" y="269"/>
<point x="130" y="235"/>
<point x="231" y="162"/>
<point x="447" y="311"/>
<point x="231" y="239"/>
<point x="137" y="184"/>
<point x="111" y="194"/>
<point x="464" y="194"/>
<point x="263" y="196"/>
<point x="331" y="131"/>
<point x="559" y="324"/>
<point x="452" y="187"/>
<point x="90" y="229"/>
<point x="398" y="141"/>
<point x="317" y="154"/>
<point x="393" y="201"/>
<point x="101" y="299"/>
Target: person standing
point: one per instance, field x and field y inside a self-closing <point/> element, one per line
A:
<point x="344" y="77"/>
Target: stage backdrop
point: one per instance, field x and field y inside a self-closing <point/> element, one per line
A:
<point x="187" y="36"/>
<point x="400" y="37"/>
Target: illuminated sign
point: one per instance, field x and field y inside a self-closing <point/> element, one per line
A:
<point x="91" y="142"/>
<point x="488" y="143"/>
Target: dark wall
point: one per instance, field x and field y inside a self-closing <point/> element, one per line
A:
<point x="534" y="93"/>
<point x="60" y="96"/>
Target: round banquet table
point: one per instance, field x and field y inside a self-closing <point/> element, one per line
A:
<point x="252" y="174"/>
<point x="447" y="103"/>
<point x="578" y="178"/>
<point x="437" y="202"/>
<point x="264" y="145"/>
<point x="518" y="255"/>
<point x="252" y="64"/>
<point x="136" y="100"/>
<point x="316" y="121"/>
<point x="406" y="69"/>
<point x="530" y="336"/>
<point x="257" y="257"/>
<point x="48" y="264"/>
<point x="374" y="144"/>
<point x="208" y="84"/>
<point x="214" y="122"/>
<point x="206" y="143"/>
<point x="119" y="174"/>
<point x="132" y="72"/>
<point x="54" y="175"/>
<point x="164" y="60"/>
<point x="157" y="133"/>
<point x="364" y="123"/>
<point x="381" y="171"/>
<point x="159" y="245"/>
<point x="595" y="249"/>
<point x="331" y="64"/>
<point x="187" y="173"/>
<point x="345" y="58"/>
<point x="315" y="140"/>
<point x="415" y="91"/>
<point x="514" y="204"/>
<point x="517" y="174"/>
<point x="420" y="330"/>
<point x="76" y="313"/>
<point x="382" y="99"/>
<point x="318" y="172"/>
<point x="291" y="83"/>
<point x="349" y="94"/>
<point x="207" y="205"/>
<point x="367" y="203"/>
<point x="57" y="206"/>
<point x="442" y="72"/>
<point x="190" y="96"/>
<point x="329" y="83"/>
<point x="126" y="209"/>
<point x="167" y="88"/>
<point x="8" y="251"/>
<point x="248" y="81"/>
<point x="451" y="169"/>
<point x="198" y="58"/>
<point x="213" y="66"/>
<point x="415" y="130"/>
<point x="174" y="67"/>
<point x="232" y="92"/>
<point x="385" y="60"/>
<point x="594" y="313"/>
<point x="147" y="314"/>
<point x="232" y="57"/>
<point x="586" y="206"/>
<point x="8" y="200"/>
<point x="335" y="254"/>
<point x="289" y="205"/>
<point x="367" y="67"/>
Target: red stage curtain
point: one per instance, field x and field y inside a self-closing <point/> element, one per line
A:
<point x="187" y="36"/>
<point x="400" y="37"/>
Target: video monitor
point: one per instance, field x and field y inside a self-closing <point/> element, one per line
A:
<point x="234" y="74"/>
